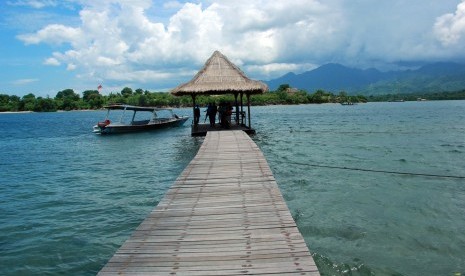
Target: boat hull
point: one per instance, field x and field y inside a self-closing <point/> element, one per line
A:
<point x="125" y="128"/>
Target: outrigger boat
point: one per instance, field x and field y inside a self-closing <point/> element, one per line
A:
<point x="136" y="124"/>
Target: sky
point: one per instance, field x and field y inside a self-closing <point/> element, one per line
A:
<point x="47" y="46"/>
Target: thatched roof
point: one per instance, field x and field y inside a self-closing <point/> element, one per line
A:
<point x="220" y="76"/>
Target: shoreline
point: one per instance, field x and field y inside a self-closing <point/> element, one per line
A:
<point x="24" y="112"/>
<point x="15" y="112"/>
<point x="271" y="104"/>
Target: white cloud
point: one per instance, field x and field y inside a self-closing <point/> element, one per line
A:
<point x="450" y="28"/>
<point x="53" y="34"/>
<point x="128" y="41"/>
<point x="274" y="70"/>
<point x="71" y="67"/>
<point x="120" y="34"/>
<point x="37" y="4"/>
<point x="52" y="61"/>
<point x="139" y="76"/>
<point x="24" y="81"/>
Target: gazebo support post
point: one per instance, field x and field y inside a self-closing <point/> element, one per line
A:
<point x="242" y="108"/>
<point x="237" y="108"/>
<point x="248" y="109"/>
<point x="193" y="106"/>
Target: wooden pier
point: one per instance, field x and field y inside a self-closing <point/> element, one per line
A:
<point x="224" y="215"/>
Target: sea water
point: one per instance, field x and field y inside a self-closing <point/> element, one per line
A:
<point x="70" y="198"/>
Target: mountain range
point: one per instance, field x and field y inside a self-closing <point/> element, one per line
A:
<point x="430" y="78"/>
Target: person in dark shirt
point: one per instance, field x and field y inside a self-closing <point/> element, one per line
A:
<point x="211" y="113"/>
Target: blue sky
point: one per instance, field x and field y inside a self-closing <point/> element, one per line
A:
<point x="50" y="45"/>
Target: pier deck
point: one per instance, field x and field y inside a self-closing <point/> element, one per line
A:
<point x="224" y="215"/>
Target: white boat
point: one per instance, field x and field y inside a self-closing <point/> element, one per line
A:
<point x="135" y="123"/>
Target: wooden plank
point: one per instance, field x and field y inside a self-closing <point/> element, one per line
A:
<point x="224" y="215"/>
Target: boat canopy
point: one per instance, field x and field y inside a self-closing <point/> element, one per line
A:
<point x="134" y="108"/>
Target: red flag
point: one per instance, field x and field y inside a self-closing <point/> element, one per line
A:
<point x="99" y="87"/>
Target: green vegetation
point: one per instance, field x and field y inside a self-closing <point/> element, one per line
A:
<point x="457" y="95"/>
<point x="92" y="99"/>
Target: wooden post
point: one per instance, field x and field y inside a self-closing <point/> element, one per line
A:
<point x="248" y="109"/>
<point x="193" y="107"/>
<point x="237" y="108"/>
<point x="242" y="108"/>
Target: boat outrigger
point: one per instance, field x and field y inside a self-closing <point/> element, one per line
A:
<point x="155" y="122"/>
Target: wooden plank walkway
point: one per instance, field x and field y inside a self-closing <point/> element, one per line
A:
<point x="224" y="215"/>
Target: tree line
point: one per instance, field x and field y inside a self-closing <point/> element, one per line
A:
<point x="438" y="96"/>
<point x="68" y="99"/>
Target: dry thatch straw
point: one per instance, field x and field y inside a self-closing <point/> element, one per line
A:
<point x="220" y="76"/>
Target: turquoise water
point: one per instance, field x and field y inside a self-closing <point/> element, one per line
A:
<point x="69" y="198"/>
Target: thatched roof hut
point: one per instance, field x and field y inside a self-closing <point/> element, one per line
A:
<point x="217" y="77"/>
<point x="220" y="76"/>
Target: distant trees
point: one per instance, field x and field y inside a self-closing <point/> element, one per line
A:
<point x="343" y="97"/>
<point x="67" y="100"/>
<point x="9" y="103"/>
<point x="450" y="95"/>
<point x="321" y="96"/>
<point x="45" y="105"/>
<point x="91" y="99"/>
<point x="28" y="102"/>
<point x="283" y="88"/>
<point x="126" y="92"/>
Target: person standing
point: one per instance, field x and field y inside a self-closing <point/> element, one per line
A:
<point x="212" y="114"/>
